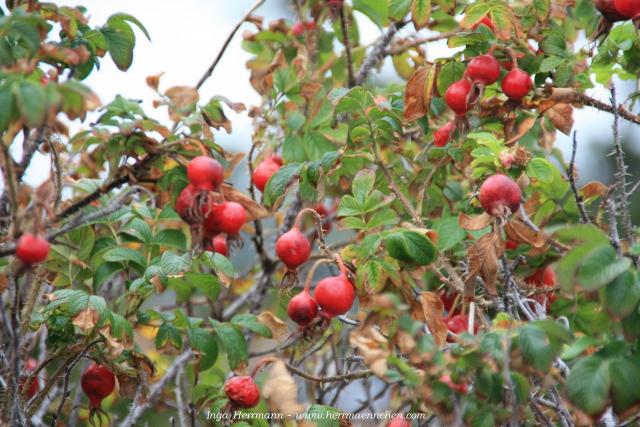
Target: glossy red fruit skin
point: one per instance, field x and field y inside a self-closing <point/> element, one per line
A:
<point x="265" y="170"/>
<point x="499" y="191"/>
<point x="242" y="391"/>
<point x="205" y="173"/>
<point x="335" y="295"/>
<point x="302" y="308"/>
<point x="516" y="84"/>
<point x="457" y="96"/>
<point x="399" y="421"/>
<point x="310" y="25"/>
<point x="219" y="244"/>
<point x="293" y="248"/>
<point x="608" y="9"/>
<point x="544" y="277"/>
<point x="185" y="202"/>
<point x="443" y="135"/>
<point x="225" y="217"/>
<point x="511" y="245"/>
<point x="628" y="8"/>
<point x="32" y="249"/>
<point x="484" y="69"/>
<point x="97" y="382"/>
<point x="485" y="21"/>
<point x="459" y="387"/>
<point x="459" y="324"/>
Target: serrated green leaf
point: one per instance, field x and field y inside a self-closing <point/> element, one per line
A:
<point x="250" y="321"/>
<point x="278" y="183"/>
<point x="121" y="254"/>
<point x="233" y="342"/>
<point x="205" y="344"/>
<point x="588" y="384"/>
<point x="411" y="247"/>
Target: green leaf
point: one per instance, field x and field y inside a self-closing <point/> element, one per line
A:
<point x="204" y="343"/>
<point x="376" y="10"/>
<point x="349" y="206"/>
<point x="540" y="169"/>
<point x="536" y="347"/>
<point x="104" y="272"/>
<point x="411" y="247"/>
<point x="174" y="238"/>
<point x="205" y="282"/>
<point x="250" y="321"/>
<point x="8" y="109"/>
<point x="121" y="254"/>
<point x="550" y="63"/>
<point x="621" y="296"/>
<point x="449" y="232"/>
<point x="120" y="327"/>
<point x="278" y="183"/>
<point x="233" y="342"/>
<point x="599" y="267"/>
<point x="126" y="17"/>
<point x="363" y="184"/>
<point x="30" y="99"/>
<point x="168" y="335"/>
<point x="120" y="42"/>
<point x="220" y="264"/>
<point x="588" y="384"/>
<point x="420" y="13"/>
<point x="451" y="72"/>
<point x="172" y="263"/>
<point x="398" y="9"/>
<point x="625" y="377"/>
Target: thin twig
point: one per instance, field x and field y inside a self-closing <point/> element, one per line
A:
<point x="347" y="47"/>
<point x="377" y="53"/>
<point x="343" y="377"/>
<point x="233" y="32"/>
<point x="571" y="173"/>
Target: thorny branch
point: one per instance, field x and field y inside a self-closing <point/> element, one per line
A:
<point x="571" y="173"/>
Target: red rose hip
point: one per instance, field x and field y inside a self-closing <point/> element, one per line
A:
<point x="457" y="96"/>
<point x="484" y="69"/>
<point x="399" y="421"/>
<point x="443" y="135"/>
<point x="500" y="195"/>
<point x="459" y="324"/>
<point x="219" y="245"/>
<point x="225" y="217"/>
<point x="205" y="173"/>
<point x="97" y="382"/>
<point x="302" y="308"/>
<point x="335" y="295"/>
<point x="242" y="391"/>
<point x="186" y="202"/>
<point x="608" y="9"/>
<point x="32" y="249"/>
<point x="265" y="170"/>
<point x="293" y="248"/>
<point x="516" y="84"/>
<point x="628" y="8"/>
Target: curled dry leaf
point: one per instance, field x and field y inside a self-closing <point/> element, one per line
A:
<point x="414" y="95"/>
<point x="279" y="329"/>
<point x="561" y="115"/>
<point x="114" y="346"/>
<point x="474" y="222"/>
<point x="594" y="189"/>
<point x="429" y="308"/>
<point x="86" y="319"/>
<point x="482" y="259"/>
<point x="519" y="232"/>
<point x="182" y="96"/>
<point x="254" y="209"/>
<point x="280" y="390"/>
<point x="373" y="346"/>
<point x="154" y="81"/>
<point x="522" y="129"/>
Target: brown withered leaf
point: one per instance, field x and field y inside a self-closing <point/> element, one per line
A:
<point x="561" y="115"/>
<point x="594" y="189"/>
<point x="519" y="232"/>
<point x="182" y="96"/>
<point x="414" y="105"/>
<point x="309" y="90"/>
<point x="280" y="390"/>
<point x="373" y="346"/>
<point x="482" y="259"/>
<point x="524" y="127"/>
<point x="430" y="309"/>
<point x="279" y="329"/>
<point x="114" y="346"/>
<point x="86" y="319"/>
<point x="254" y="209"/>
<point x="154" y="81"/>
<point x="474" y="222"/>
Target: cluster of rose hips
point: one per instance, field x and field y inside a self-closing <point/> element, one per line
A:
<point x="200" y="203"/>
<point x="483" y="70"/>
<point x="619" y="10"/>
<point x="334" y="295"/>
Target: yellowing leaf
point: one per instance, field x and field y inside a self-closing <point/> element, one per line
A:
<point x="279" y="329"/>
<point x="86" y="319"/>
<point x="420" y="13"/>
<point x="280" y="391"/>
<point x="373" y="346"/>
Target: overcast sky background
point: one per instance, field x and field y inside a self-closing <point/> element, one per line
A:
<point x="185" y="37"/>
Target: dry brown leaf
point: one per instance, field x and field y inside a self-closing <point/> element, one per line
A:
<point x="254" y="209"/>
<point x="524" y="127"/>
<point x="482" y="259"/>
<point x="280" y="390"/>
<point x="154" y="81"/>
<point x="594" y="189"/>
<point x="519" y="232"/>
<point x="182" y="96"/>
<point x="279" y="329"/>
<point x="114" y="346"/>
<point x="86" y="319"/>
<point x="309" y="90"/>
<point x="561" y="115"/>
<point x="414" y="106"/>
<point x="373" y="346"/>
<point x="430" y="309"/>
<point x="474" y="222"/>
